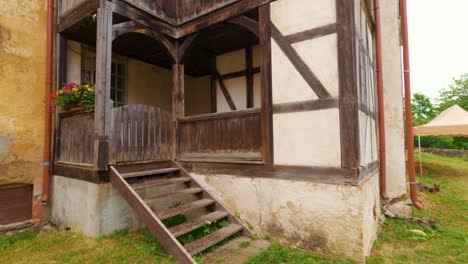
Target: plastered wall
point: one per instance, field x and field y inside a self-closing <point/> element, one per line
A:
<point x="305" y="138"/>
<point x="393" y="86"/>
<point x="22" y="90"/>
<point x="335" y="220"/>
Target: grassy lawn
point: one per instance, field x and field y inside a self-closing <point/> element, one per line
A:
<point x="446" y="243"/>
<point x="68" y="247"/>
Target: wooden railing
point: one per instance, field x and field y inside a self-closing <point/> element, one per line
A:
<point x="140" y="133"/>
<point x="75" y="137"/>
<point x="226" y="136"/>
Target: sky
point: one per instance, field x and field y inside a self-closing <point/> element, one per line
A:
<point x="438" y="40"/>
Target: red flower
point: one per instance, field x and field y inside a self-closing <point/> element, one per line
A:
<point x="66" y="90"/>
<point x="52" y="110"/>
<point x="70" y="85"/>
<point x="52" y="95"/>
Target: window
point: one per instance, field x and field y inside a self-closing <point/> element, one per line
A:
<point x="118" y="74"/>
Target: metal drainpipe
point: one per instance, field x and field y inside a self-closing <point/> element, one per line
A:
<point x="380" y="96"/>
<point x="46" y="165"/>
<point x="408" y="112"/>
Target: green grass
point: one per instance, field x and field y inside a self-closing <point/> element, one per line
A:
<point x="68" y="247"/>
<point x="448" y="241"/>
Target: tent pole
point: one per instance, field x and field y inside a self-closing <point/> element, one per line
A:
<point x="420" y="156"/>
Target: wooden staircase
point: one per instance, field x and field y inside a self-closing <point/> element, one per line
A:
<point x="168" y="191"/>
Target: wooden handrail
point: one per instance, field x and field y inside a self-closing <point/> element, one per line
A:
<point x="223" y="115"/>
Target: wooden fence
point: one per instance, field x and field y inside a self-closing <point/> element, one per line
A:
<point x="141" y="133"/>
<point x="75" y="137"/>
<point x="232" y="135"/>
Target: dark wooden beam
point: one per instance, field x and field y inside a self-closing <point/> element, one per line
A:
<point x="299" y="64"/>
<point x="186" y="45"/>
<point x="348" y="90"/>
<point x="266" y="83"/>
<point x="311" y="33"/>
<point x="249" y="80"/>
<point x="220" y="15"/>
<point x="61" y="78"/>
<point x="247" y="23"/>
<point x="82" y="173"/>
<point x="214" y="103"/>
<point x="324" y="175"/>
<point x="302" y="106"/>
<point x="77" y="14"/>
<point x="225" y="91"/>
<point x="102" y="106"/>
<point x="122" y="8"/>
<point x="237" y="74"/>
<point x="368" y="12"/>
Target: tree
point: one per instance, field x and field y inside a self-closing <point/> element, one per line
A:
<point x="456" y="93"/>
<point x="423" y="109"/>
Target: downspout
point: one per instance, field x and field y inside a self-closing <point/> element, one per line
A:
<point x="380" y="101"/>
<point x="408" y="112"/>
<point x="48" y="116"/>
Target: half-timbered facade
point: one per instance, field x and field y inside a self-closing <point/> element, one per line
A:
<point x="258" y="111"/>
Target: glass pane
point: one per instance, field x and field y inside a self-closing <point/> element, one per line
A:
<point x="120" y="83"/>
<point x="120" y="69"/>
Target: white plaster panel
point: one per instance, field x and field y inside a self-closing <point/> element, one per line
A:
<point x="321" y="55"/>
<point x="73" y="62"/>
<point x="237" y="90"/>
<point x="197" y="95"/>
<point x="292" y="16"/>
<point x="149" y="84"/>
<point x="330" y="219"/>
<point x="231" y="62"/>
<point x="288" y="85"/>
<point x="307" y="138"/>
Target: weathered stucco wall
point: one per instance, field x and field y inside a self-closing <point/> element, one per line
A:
<point x="22" y="78"/>
<point x="305" y="138"/>
<point x="335" y="220"/>
<point x="393" y="86"/>
<point x="92" y="209"/>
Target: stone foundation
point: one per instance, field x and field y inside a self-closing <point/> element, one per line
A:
<point x="88" y="208"/>
<point x="333" y="220"/>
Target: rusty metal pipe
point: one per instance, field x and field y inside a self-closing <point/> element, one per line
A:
<point x="46" y="163"/>
<point x="380" y="101"/>
<point x="408" y="112"/>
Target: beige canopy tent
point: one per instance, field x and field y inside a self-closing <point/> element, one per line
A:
<point x="451" y="122"/>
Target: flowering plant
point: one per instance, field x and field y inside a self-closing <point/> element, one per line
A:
<point x="74" y="95"/>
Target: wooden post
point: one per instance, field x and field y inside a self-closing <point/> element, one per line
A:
<point x="249" y="76"/>
<point x="102" y="105"/>
<point x="265" y="81"/>
<point x="60" y="79"/>
<point x="348" y="92"/>
<point x="214" y="107"/>
<point x="178" y="104"/>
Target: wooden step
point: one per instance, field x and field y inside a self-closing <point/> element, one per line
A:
<point x="148" y="172"/>
<point x="174" y="194"/>
<point x="159" y="182"/>
<point x="168" y="213"/>
<point x="189" y="226"/>
<point x="212" y="239"/>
